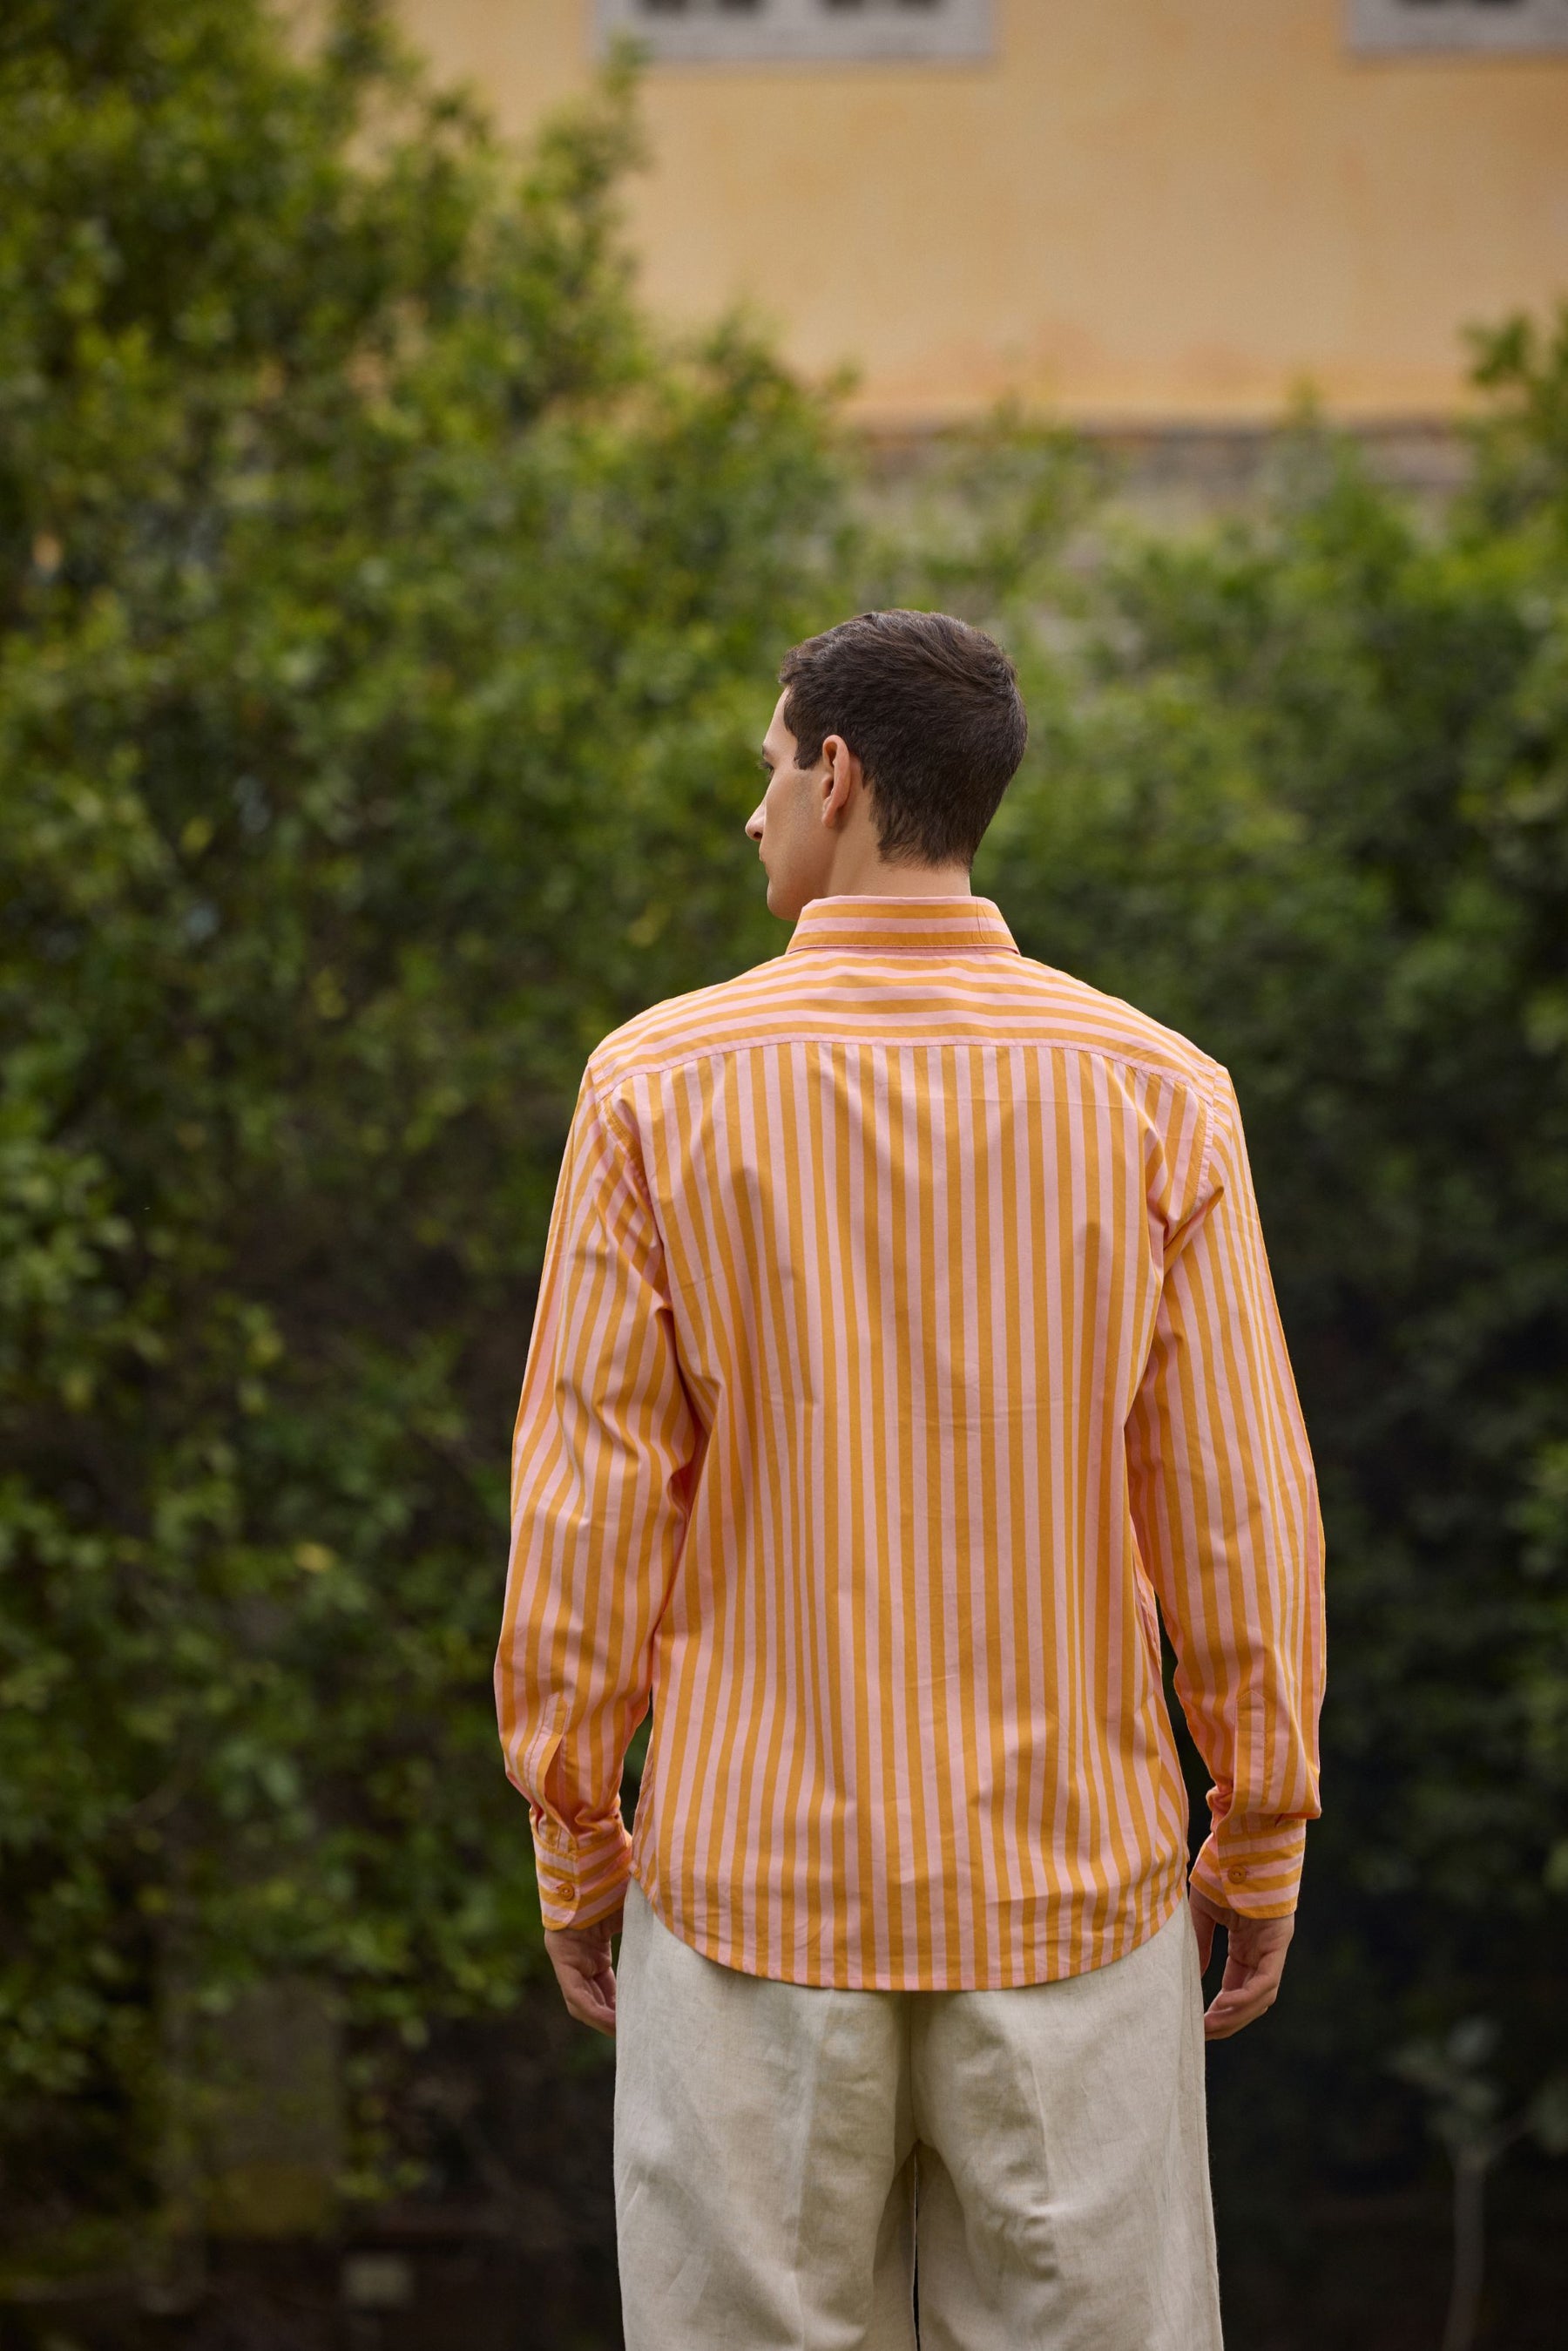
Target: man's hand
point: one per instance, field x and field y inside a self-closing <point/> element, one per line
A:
<point x="1254" y="1961"/>
<point x="581" y="1958"/>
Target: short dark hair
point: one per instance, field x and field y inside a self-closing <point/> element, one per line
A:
<point x="932" y="709"/>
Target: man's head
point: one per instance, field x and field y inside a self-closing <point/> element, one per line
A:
<point x="892" y="743"/>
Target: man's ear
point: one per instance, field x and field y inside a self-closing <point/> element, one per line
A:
<point x="843" y="770"/>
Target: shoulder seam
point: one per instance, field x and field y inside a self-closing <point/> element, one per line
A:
<point x="1208" y="1103"/>
<point x="629" y="1152"/>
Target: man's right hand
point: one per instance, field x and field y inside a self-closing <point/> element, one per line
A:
<point x="1254" y="1961"/>
<point x="581" y="1958"/>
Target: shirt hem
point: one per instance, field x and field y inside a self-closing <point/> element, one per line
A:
<point x="1046" y="1967"/>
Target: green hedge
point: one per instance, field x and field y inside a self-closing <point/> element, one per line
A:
<point x="387" y="615"/>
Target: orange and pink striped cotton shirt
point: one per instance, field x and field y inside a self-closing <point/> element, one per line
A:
<point x="905" y="1339"/>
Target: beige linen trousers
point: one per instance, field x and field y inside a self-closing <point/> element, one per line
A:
<point x="782" y="2150"/>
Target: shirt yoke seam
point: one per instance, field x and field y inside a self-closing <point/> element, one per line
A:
<point x="661" y="1067"/>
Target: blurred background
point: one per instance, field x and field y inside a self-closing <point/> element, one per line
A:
<point x="422" y="430"/>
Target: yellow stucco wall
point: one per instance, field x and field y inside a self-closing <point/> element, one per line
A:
<point x="1136" y="211"/>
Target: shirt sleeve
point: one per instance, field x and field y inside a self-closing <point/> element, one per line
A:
<point x="1226" y="1508"/>
<point x="605" y="1441"/>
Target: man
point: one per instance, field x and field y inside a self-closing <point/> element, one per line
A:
<point x="905" y="1331"/>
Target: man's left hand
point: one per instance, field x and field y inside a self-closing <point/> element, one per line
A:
<point x="1254" y="1961"/>
<point x="581" y="1958"/>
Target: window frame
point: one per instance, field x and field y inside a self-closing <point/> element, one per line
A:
<point x="1473" y="27"/>
<point x="804" y="32"/>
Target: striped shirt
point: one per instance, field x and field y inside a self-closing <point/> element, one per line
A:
<point x="905" y="1333"/>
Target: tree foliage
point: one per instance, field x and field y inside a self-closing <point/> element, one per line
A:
<point x="382" y="610"/>
<point x="1302" y="791"/>
<point x="386" y="621"/>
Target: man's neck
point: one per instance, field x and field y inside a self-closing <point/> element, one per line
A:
<point x="877" y="879"/>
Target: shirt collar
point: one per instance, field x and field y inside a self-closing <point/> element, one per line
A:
<point x="877" y="925"/>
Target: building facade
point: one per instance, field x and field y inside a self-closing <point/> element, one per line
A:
<point x="1135" y="214"/>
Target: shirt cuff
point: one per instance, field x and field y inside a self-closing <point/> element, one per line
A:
<point x="581" y="1879"/>
<point x="1252" y="1866"/>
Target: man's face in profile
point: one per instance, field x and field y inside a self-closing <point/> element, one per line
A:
<point x="794" y="845"/>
